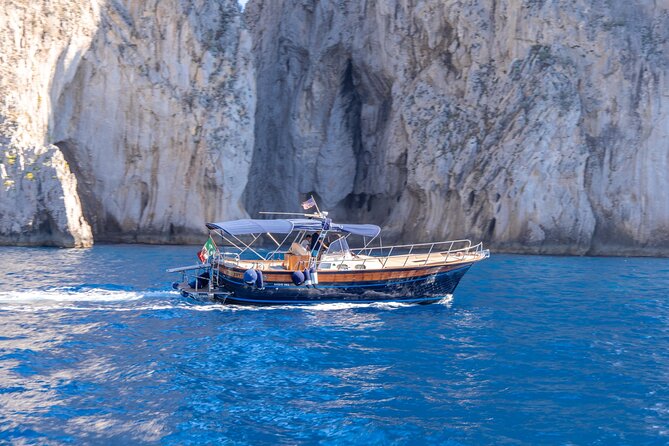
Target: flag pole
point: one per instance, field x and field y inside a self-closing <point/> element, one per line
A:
<point x="321" y="237"/>
<point x="316" y="204"/>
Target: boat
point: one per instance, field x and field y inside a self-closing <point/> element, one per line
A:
<point x="271" y="262"/>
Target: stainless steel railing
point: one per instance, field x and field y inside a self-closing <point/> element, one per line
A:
<point x="420" y="253"/>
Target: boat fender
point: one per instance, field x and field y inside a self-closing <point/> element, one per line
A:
<point x="260" y="284"/>
<point x="307" y="277"/>
<point x="314" y="276"/>
<point x="250" y="276"/>
<point x="297" y="277"/>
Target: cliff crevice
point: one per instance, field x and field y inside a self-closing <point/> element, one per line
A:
<point x="150" y="103"/>
<point x="535" y="126"/>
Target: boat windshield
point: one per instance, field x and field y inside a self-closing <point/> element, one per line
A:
<point x="338" y="247"/>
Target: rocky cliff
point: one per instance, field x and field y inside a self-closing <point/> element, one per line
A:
<point x="132" y="120"/>
<point x="537" y="125"/>
<point x="40" y="46"/>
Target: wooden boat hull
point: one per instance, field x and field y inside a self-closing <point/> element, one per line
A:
<point x="418" y="285"/>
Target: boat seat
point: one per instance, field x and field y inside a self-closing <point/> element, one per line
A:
<point x="298" y="249"/>
<point x="294" y="262"/>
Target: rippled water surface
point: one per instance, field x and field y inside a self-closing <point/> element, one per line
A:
<point x="95" y="348"/>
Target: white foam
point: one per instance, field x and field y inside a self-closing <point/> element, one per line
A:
<point x="70" y="298"/>
<point x="69" y="295"/>
<point x="338" y="306"/>
<point x="446" y="301"/>
<point x="347" y="306"/>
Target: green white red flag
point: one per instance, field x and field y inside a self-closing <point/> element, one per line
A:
<point x="208" y="250"/>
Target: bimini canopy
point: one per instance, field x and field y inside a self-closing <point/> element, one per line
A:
<point x="250" y="226"/>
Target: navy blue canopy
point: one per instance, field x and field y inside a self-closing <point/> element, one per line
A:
<point x="363" y="230"/>
<point x="250" y="226"/>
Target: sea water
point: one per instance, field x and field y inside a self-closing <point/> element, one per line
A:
<point x="95" y="348"/>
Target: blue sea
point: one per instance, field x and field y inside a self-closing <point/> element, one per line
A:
<point x="95" y="348"/>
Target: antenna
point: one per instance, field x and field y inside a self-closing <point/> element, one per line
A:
<point x="318" y="214"/>
<point x="292" y="213"/>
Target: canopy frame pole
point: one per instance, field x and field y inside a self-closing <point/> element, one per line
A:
<point x="273" y="239"/>
<point x="271" y="255"/>
<point x="279" y="245"/>
<point x="220" y="234"/>
<point x="366" y="244"/>
<point x="255" y="237"/>
<point x="247" y="247"/>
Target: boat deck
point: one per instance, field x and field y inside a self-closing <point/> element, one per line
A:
<point x="362" y="262"/>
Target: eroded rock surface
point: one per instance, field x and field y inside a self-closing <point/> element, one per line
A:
<point x="150" y="104"/>
<point x="539" y="126"/>
<point x="41" y="44"/>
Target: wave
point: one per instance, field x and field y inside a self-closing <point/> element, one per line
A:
<point x="119" y="298"/>
<point x="81" y="293"/>
<point x="325" y="306"/>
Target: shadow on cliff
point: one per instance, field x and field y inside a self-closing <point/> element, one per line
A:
<point x="321" y="133"/>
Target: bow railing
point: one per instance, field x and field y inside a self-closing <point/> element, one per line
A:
<point x="400" y="256"/>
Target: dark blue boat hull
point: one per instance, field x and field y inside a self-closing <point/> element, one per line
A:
<point x="425" y="289"/>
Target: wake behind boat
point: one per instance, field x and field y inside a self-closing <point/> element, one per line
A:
<point x="311" y="261"/>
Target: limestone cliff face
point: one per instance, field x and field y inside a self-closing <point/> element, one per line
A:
<point x="39" y="43"/>
<point x="536" y="125"/>
<point x="150" y="103"/>
<point x="540" y="126"/>
<point x="159" y="119"/>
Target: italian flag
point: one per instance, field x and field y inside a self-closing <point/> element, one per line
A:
<point x="208" y="250"/>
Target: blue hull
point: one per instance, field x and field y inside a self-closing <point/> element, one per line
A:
<point x="426" y="289"/>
